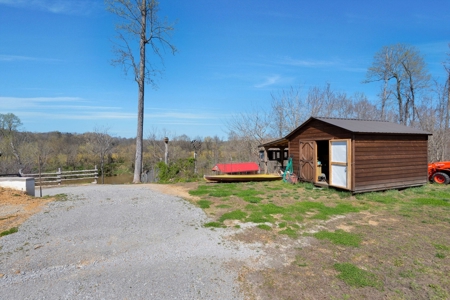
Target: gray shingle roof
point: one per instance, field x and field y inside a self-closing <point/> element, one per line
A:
<point x="370" y="126"/>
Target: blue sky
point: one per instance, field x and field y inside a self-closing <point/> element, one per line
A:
<point x="55" y="71"/>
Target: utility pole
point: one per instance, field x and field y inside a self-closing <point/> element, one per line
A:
<point x="166" y="152"/>
<point x="196" y="145"/>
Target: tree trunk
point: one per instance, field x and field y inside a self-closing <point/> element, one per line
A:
<point x="384" y="97"/>
<point x="141" y="85"/>
<point x="447" y="119"/>
<point x="401" y="119"/>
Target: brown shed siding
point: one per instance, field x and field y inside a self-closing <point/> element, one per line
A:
<point x="382" y="155"/>
<point x="316" y="131"/>
<point x="389" y="161"/>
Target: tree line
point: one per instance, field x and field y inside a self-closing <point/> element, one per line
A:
<point x="28" y="151"/>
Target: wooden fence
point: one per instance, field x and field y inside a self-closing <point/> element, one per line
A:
<point x="60" y="177"/>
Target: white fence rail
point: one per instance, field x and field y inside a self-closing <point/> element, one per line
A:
<point x="60" y="177"/>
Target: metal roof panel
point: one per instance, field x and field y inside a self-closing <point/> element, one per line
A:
<point x="371" y="126"/>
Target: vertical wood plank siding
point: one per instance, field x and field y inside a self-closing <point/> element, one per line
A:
<point x="389" y="161"/>
<point x="379" y="161"/>
<point x="315" y="131"/>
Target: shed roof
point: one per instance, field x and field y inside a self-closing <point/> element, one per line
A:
<point x="370" y="126"/>
<point x="236" y="167"/>
<point x="353" y="125"/>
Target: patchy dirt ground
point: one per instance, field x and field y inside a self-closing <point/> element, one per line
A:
<point x="180" y="190"/>
<point x="16" y="207"/>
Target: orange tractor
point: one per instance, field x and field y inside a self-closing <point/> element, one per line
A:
<point x="439" y="172"/>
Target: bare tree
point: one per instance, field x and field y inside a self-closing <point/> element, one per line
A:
<point x="9" y="135"/>
<point x="405" y="66"/>
<point x="101" y="144"/>
<point x="288" y="111"/>
<point x="363" y="109"/>
<point x="140" y="23"/>
<point x="447" y="106"/>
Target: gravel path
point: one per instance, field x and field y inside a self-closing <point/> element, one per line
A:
<point x="119" y="242"/>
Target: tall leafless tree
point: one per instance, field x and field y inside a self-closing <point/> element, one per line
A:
<point x="140" y="24"/>
<point x="405" y="66"/>
<point x="101" y="144"/>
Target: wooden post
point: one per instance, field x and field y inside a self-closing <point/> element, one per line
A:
<point x="40" y="179"/>
<point x="58" y="175"/>
<point x="282" y="156"/>
<point x="96" y="174"/>
<point x="266" y="158"/>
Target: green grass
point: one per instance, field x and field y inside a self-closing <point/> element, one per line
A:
<point x="356" y="277"/>
<point x="233" y="215"/>
<point x="9" y="231"/>
<point x="213" y="224"/>
<point x="204" y="203"/>
<point x="388" y="197"/>
<point x="289" y="232"/>
<point x="264" y="227"/>
<point x="432" y="201"/>
<point x="250" y="195"/>
<point x="271" y="209"/>
<point x="260" y="217"/>
<point x="441" y="247"/>
<point x="223" y="206"/>
<point x="341" y="209"/>
<point x="200" y="191"/>
<point x="305" y="203"/>
<point x="340" y="237"/>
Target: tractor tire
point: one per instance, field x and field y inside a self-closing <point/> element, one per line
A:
<point x="441" y="178"/>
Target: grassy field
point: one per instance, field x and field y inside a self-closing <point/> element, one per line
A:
<point x="329" y="244"/>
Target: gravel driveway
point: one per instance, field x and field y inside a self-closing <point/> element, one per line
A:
<point x="119" y="242"/>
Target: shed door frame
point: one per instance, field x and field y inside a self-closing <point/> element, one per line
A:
<point x="340" y="163"/>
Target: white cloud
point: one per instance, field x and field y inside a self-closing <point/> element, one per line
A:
<point x="16" y="103"/>
<point x="307" y="63"/>
<point x="76" y="7"/>
<point x="269" y="81"/>
<point x="14" y="58"/>
<point x="177" y="115"/>
<point x="95" y="115"/>
<point x="75" y="108"/>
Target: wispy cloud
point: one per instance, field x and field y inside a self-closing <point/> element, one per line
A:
<point x="171" y="114"/>
<point x="15" y="57"/>
<point x="18" y="58"/>
<point x="27" y="103"/>
<point x="269" y="81"/>
<point x="71" y="7"/>
<point x="307" y="63"/>
<point x="75" y="108"/>
<point x="86" y="115"/>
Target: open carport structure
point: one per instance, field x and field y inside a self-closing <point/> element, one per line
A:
<point x="356" y="155"/>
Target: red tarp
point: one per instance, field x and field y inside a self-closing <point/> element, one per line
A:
<point x="236" y="167"/>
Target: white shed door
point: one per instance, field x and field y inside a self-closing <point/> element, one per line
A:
<point x="339" y="166"/>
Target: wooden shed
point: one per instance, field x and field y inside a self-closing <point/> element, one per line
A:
<point x="356" y="155"/>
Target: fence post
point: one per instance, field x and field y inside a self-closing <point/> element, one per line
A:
<point x="96" y="174"/>
<point x="58" y="175"/>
